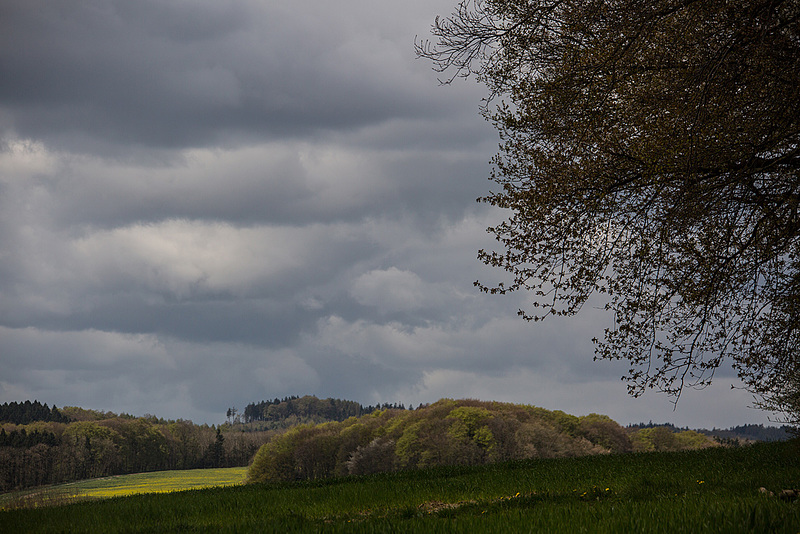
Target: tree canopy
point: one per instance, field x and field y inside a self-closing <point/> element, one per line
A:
<point x="649" y="156"/>
<point x="447" y="432"/>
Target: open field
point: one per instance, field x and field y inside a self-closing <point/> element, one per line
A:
<point x="125" y="485"/>
<point x="711" y="490"/>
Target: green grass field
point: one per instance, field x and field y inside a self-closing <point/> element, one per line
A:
<point x="712" y="490"/>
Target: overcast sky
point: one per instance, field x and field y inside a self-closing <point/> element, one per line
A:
<point x="206" y="203"/>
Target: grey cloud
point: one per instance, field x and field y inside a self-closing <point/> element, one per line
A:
<point x="183" y="279"/>
<point x="276" y="183"/>
<point x="208" y="203"/>
<point x="392" y="290"/>
<point x="170" y="74"/>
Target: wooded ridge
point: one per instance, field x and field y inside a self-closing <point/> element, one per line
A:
<point x="40" y="444"/>
<point x="451" y="432"/>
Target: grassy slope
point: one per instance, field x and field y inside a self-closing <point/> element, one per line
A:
<point x="125" y="485"/>
<point x="713" y="490"/>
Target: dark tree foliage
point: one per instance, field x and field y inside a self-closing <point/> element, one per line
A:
<point x="22" y="439"/>
<point x="22" y="413"/>
<point x="215" y="454"/>
<point x="308" y="408"/>
<point x="754" y="432"/>
<point x="650" y="157"/>
<point x="99" y="444"/>
<point x="784" y="396"/>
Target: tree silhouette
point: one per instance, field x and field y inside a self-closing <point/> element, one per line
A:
<point x="650" y="157"/>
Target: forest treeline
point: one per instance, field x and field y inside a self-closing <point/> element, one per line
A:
<point x="22" y="413"/>
<point x="44" y="445"/>
<point x="741" y="434"/>
<point x="754" y="432"/>
<point x="41" y="445"/>
<point x="292" y="411"/>
<point x="451" y="432"/>
<point x="308" y="437"/>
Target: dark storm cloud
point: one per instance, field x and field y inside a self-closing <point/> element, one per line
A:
<point x="184" y="279"/>
<point x="87" y="74"/>
<point x="207" y="203"/>
<point x="282" y="183"/>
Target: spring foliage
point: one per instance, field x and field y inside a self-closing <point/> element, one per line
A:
<point x="70" y="444"/>
<point x="448" y="432"/>
<point x="650" y="157"/>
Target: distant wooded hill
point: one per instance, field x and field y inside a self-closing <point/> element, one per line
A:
<point x="451" y="432"/>
<point x="40" y="444"/>
<point x="291" y="411"/>
<point x="753" y="432"/>
<point x="743" y="433"/>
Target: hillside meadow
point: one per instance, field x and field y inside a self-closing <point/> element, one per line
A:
<point x="123" y="486"/>
<point x="709" y="490"/>
<point x="40" y="445"/>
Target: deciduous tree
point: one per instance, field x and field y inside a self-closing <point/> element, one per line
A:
<point x="650" y="156"/>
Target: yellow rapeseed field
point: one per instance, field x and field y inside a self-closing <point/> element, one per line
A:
<point x="159" y="482"/>
<point x="123" y="485"/>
